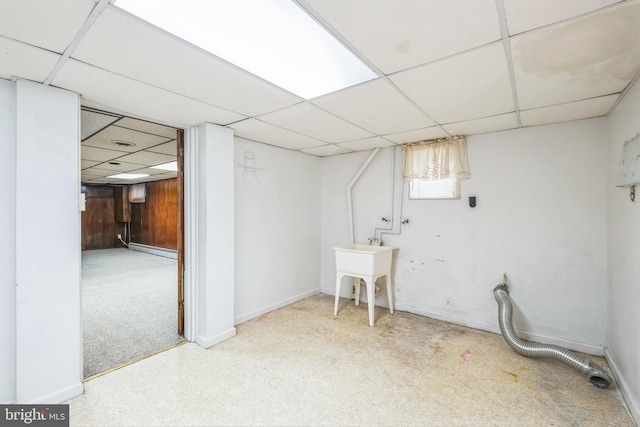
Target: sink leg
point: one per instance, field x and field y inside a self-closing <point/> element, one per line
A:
<point x="371" y="289"/>
<point x="356" y="287"/>
<point x="389" y="294"/>
<point x="338" y="282"/>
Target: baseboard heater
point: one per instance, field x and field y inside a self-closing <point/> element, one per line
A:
<point x="154" y="250"/>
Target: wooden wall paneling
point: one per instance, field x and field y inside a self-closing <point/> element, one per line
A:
<point x="155" y="222"/>
<point x="99" y="228"/>
<point x="122" y="205"/>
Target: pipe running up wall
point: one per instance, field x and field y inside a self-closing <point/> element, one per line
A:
<point x="594" y="373"/>
<point x="355" y="179"/>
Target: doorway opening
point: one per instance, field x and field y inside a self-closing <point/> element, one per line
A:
<point x="132" y="239"/>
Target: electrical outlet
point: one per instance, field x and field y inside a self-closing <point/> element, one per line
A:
<point x="119" y="236"/>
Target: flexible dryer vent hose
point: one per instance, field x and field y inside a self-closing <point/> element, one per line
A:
<point x="594" y="373"/>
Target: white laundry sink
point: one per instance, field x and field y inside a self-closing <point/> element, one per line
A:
<point x="365" y="262"/>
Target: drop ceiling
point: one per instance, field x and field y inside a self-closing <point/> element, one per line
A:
<point x="444" y="68"/>
<point x="113" y="144"/>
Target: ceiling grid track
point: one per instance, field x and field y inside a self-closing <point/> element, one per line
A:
<point x="412" y="102"/>
<point x="323" y="23"/>
<point x="506" y="43"/>
<point x="91" y="19"/>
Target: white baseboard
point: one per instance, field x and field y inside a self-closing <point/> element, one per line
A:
<point x="61" y="395"/>
<point x="494" y="328"/>
<point x="445" y="317"/>
<point x="631" y="404"/>
<point x="594" y="350"/>
<point x="154" y="250"/>
<point x="211" y="341"/>
<point x="591" y="349"/>
<point x="275" y="306"/>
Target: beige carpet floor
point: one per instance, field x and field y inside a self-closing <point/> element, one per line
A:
<point x="298" y="366"/>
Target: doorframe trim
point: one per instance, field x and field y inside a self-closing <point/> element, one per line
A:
<point x="190" y="233"/>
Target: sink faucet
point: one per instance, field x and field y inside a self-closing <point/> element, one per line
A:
<point x="373" y="241"/>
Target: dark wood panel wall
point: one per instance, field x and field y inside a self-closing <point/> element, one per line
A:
<point x="99" y="228"/>
<point x="155" y="222"/>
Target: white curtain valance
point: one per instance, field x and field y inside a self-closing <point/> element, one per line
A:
<point x="436" y="159"/>
<point x="137" y="193"/>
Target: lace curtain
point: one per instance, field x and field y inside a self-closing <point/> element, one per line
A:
<point x="437" y="159"/>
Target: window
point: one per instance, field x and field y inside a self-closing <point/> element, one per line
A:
<point x="436" y="189"/>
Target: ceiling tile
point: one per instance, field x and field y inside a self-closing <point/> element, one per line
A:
<point x="583" y="58"/>
<point x="24" y="61"/>
<point x="117" y="167"/>
<point x="147" y="158"/>
<point x="111" y="136"/>
<point x="148" y="127"/>
<point x="94" y="121"/>
<point x="376" y="106"/>
<point x="99" y="154"/>
<point x="49" y="24"/>
<point x="594" y="107"/>
<point x="366" y="144"/>
<point x="468" y="86"/>
<point x="310" y="120"/>
<point x="163" y="60"/>
<point x="527" y="15"/>
<point x="104" y="181"/>
<point x="149" y="171"/>
<point x="170" y="148"/>
<point x="326" y="150"/>
<point x="433" y="132"/>
<point x="484" y="125"/>
<point x="137" y="98"/>
<point x="392" y="36"/>
<point x="84" y="164"/>
<point x="92" y="173"/>
<point x="257" y="130"/>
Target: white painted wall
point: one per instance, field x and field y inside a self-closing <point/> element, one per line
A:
<point x="277" y="245"/>
<point x="48" y="308"/>
<point x="541" y="218"/>
<point x="8" y="242"/>
<point x="214" y="210"/>
<point x="623" y="226"/>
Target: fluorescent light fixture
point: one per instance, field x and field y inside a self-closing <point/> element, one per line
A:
<point x="128" y="175"/>
<point x="171" y="166"/>
<point x="273" y="39"/>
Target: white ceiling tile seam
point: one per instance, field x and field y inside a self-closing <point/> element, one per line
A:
<point x="506" y="43"/>
<point x="86" y="26"/>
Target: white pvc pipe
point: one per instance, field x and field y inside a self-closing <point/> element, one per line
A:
<point x="351" y="184"/>
<point x="396" y="228"/>
<point x="377" y="232"/>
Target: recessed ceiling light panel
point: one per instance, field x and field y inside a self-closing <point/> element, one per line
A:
<point x="129" y="175"/>
<point x="273" y="39"/>
<point x="171" y="166"/>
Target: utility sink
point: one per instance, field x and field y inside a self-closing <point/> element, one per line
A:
<point x="367" y="263"/>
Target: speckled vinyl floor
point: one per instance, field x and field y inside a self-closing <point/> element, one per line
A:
<point x="299" y="366"/>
